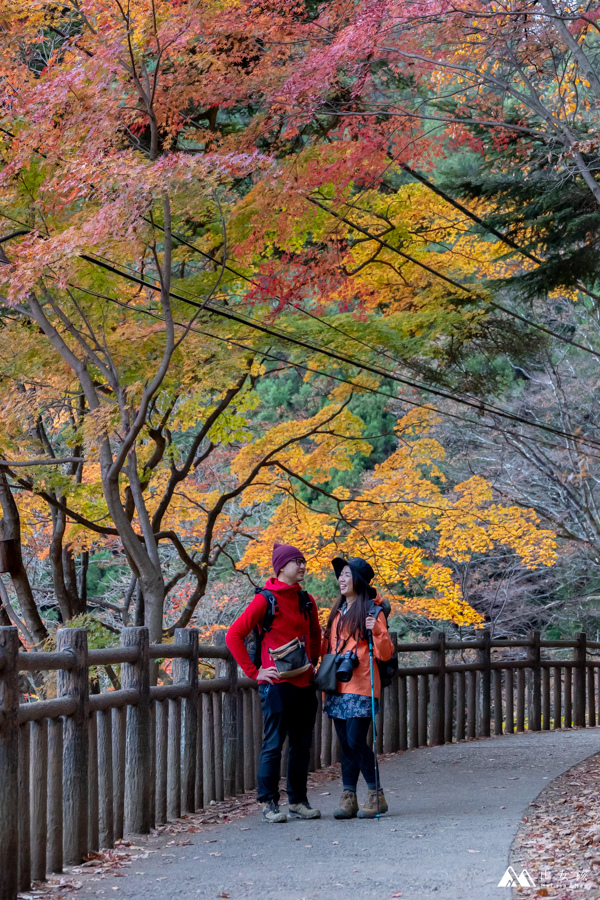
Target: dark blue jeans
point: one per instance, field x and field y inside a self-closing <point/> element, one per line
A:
<point x="287" y="711"/>
<point x="357" y="756"/>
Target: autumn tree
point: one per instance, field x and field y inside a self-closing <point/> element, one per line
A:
<point x="191" y="208"/>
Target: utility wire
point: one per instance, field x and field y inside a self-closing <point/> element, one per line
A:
<point x="451" y="281"/>
<point x="409" y="258"/>
<point x="284" y="335"/>
<point x="312" y="369"/>
<point x="382" y="373"/>
<point x="418" y="176"/>
<point x="478" y="406"/>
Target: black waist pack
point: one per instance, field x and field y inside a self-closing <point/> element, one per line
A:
<point x="290" y="659"/>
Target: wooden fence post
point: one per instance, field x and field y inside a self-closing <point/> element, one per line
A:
<point x="402" y="713"/>
<point x="556" y="706"/>
<point x="119" y="728"/>
<point x="208" y="750"/>
<point x="545" y="699"/>
<point x="24" y="817"/>
<point x="199" y="774"/>
<point x="74" y="683"/>
<point x="449" y="713"/>
<point x="533" y="654"/>
<point x="105" y="779"/>
<point x="39" y="798"/>
<point x="510" y="709"/>
<point x="230" y="729"/>
<point x="591" y="697"/>
<point x="461" y="707"/>
<point x="136" y="676"/>
<point x="471" y="704"/>
<point x="55" y="792"/>
<point x="413" y="701"/>
<point x="579" y="681"/>
<point x="217" y="701"/>
<point x="9" y="762"/>
<point x="390" y="698"/>
<point x="162" y="743"/>
<point x="485" y="658"/>
<point x="240" y="741"/>
<point x="186" y="670"/>
<point x="423" y="683"/>
<point x="174" y="760"/>
<point x="438" y="690"/>
<point x="93" y="835"/>
<point x="568" y="697"/>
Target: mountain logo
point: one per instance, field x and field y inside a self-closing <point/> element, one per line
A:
<point x="511" y="879"/>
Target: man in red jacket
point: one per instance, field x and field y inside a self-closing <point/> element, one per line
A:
<point x="289" y="707"/>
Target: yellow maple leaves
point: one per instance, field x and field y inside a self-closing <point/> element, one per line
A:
<point x="404" y="501"/>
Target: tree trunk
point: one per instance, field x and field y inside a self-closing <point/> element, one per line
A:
<point x="59" y="523"/>
<point x="11" y="528"/>
<point x="85" y="562"/>
<point x="70" y="574"/>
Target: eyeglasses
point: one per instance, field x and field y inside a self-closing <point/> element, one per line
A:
<point x="299" y="562"/>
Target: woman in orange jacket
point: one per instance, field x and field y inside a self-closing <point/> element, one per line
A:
<point x="353" y="614"/>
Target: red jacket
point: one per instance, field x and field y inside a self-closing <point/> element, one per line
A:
<point x="288" y="624"/>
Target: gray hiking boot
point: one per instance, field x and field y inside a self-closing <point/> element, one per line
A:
<point x="272" y="814"/>
<point x="303" y="811"/>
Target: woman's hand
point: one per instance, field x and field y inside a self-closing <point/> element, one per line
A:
<point x="270" y="675"/>
<point x="370" y="622"/>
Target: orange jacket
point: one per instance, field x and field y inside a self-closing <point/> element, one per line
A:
<point x="383" y="649"/>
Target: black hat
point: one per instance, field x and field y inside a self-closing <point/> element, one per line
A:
<point x="362" y="573"/>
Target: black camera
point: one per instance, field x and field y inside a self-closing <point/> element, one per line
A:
<point x="346" y="664"/>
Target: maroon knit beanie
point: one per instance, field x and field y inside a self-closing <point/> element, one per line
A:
<point x="283" y="554"/>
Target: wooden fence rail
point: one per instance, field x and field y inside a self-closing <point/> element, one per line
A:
<point x="80" y="770"/>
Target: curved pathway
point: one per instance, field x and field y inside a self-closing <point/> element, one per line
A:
<point x="454" y="812"/>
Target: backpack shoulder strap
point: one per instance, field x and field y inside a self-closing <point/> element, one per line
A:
<point x="305" y="602"/>
<point x="384" y="607"/>
<point x="272" y="610"/>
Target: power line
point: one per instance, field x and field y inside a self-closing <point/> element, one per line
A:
<point x="479" y="406"/>
<point x="312" y="369"/>
<point x="451" y="281"/>
<point x="407" y="257"/>
<point x="418" y="176"/>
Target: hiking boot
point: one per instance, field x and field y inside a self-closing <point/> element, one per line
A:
<point x="369" y="810"/>
<point x="272" y="814"/>
<point x="303" y="811"/>
<point x="348" y="806"/>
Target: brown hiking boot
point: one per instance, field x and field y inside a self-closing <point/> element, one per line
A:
<point x="369" y="810"/>
<point x="348" y="806"/>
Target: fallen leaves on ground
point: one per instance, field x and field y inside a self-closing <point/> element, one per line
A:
<point x="558" y="841"/>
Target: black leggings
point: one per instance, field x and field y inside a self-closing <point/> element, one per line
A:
<point x="357" y="756"/>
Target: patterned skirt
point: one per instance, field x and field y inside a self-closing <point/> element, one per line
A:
<point x="349" y="706"/>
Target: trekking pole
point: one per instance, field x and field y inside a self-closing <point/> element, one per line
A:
<point x="370" y="640"/>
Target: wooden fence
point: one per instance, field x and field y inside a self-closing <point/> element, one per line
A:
<point x="79" y="771"/>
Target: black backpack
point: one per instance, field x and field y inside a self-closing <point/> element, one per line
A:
<point x="389" y="667"/>
<point x="255" y="638"/>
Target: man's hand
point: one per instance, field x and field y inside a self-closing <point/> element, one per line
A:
<point x="270" y="674"/>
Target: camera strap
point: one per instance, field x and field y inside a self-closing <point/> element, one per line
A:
<point x="339" y="638"/>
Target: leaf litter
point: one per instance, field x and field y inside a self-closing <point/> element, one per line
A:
<point x="558" y="840"/>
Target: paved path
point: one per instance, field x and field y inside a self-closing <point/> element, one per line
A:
<point x="454" y="812"/>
